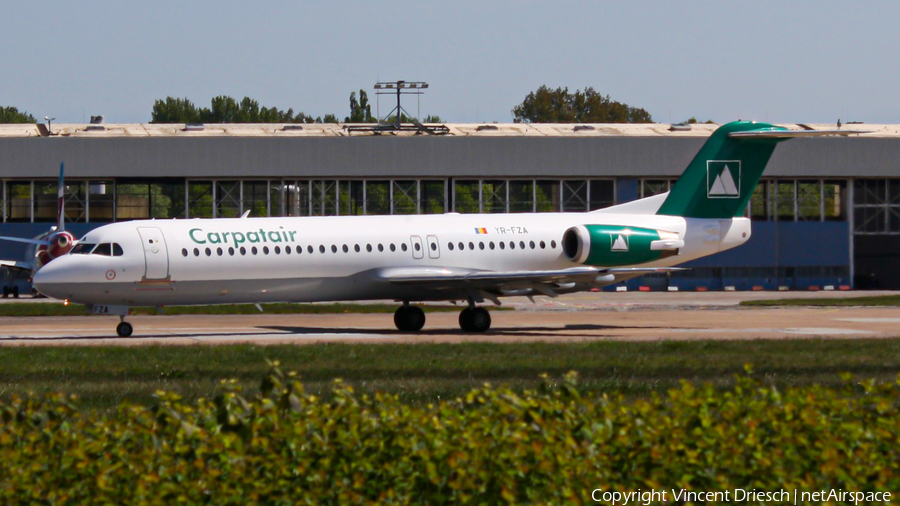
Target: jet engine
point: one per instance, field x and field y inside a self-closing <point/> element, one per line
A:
<point x="615" y="245"/>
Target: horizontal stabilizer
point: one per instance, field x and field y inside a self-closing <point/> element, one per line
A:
<point x="28" y="241"/>
<point x="792" y="134"/>
<point x="17" y="265"/>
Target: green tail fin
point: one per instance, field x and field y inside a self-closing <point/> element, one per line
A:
<point x="719" y="181"/>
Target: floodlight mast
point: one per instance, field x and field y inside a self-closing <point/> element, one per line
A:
<point x="399" y="88"/>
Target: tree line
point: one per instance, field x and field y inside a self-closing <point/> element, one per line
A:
<point x="544" y="105"/>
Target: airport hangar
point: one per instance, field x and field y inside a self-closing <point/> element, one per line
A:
<point x="826" y="215"/>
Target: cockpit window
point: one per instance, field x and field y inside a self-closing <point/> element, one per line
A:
<point x="82" y="248"/>
<point x="117" y="250"/>
<point x="103" y="249"/>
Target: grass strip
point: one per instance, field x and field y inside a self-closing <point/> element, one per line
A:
<point x="880" y="300"/>
<point x="59" y="309"/>
<point x="427" y="372"/>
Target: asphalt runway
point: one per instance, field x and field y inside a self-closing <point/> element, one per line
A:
<point x="603" y="316"/>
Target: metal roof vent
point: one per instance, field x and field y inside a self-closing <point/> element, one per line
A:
<point x="579" y="128"/>
<point x="95" y="128"/>
<point x="486" y="127"/>
<point x="679" y="127"/>
<point x="288" y="128"/>
<point x="97" y="120"/>
<point x="193" y="127"/>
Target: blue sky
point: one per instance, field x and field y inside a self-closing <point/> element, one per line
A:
<point x="796" y="61"/>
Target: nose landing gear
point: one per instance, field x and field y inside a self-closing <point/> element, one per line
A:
<point x="124" y="329"/>
<point x="409" y="318"/>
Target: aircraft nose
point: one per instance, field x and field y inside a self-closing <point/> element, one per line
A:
<point x="51" y="279"/>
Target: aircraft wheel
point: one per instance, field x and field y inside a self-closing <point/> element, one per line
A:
<point x="409" y="318"/>
<point x="15" y="292"/>
<point x="475" y="319"/>
<point x="124" y="329"/>
<point x="5" y="292"/>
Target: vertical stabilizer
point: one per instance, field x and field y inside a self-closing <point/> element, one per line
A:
<point x="61" y="201"/>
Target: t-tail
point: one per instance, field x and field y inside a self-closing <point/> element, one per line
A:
<point x="719" y="181"/>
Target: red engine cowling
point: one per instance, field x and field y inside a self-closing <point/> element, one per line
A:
<point x="60" y="244"/>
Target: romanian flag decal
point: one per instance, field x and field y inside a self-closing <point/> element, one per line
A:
<point x="480" y="230"/>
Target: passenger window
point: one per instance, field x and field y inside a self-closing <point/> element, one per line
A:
<point x="117" y="250"/>
<point x="472" y="246"/>
<point x="480" y="245"/>
<point x="265" y="250"/>
<point x="552" y="244"/>
<point x="321" y="248"/>
<point x="196" y="252"/>
<point x="219" y="251"/>
<point x="254" y="250"/>
<point x="82" y="248"/>
<point x="403" y="247"/>
<point x="449" y="246"/>
<point x="287" y="250"/>
<point x="462" y="246"/>
<point x="231" y="251"/>
<point x="345" y="248"/>
<point x="543" y="245"/>
<point x="393" y="248"/>
<point x="208" y="252"/>
<point x="104" y="249"/>
<point x="418" y="247"/>
<point x="277" y="250"/>
<point x="502" y="245"/>
<point x="184" y="252"/>
<point x="491" y="244"/>
<point x="531" y="244"/>
<point x="512" y="244"/>
<point x="356" y="248"/>
<point x="369" y="248"/>
<point x="243" y="250"/>
<point x="380" y="248"/>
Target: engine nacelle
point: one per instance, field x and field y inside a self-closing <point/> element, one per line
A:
<point x="616" y="245"/>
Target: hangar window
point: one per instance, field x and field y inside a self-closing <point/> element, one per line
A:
<point x="467" y="196"/>
<point x="404" y="197"/>
<point x="432" y="197"/>
<point x="141" y="199"/>
<point x="651" y="187"/>
<point x="46" y="195"/>
<point x="18" y="202"/>
<point x="547" y="196"/>
<point x="601" y="193"/>
<point x="574" y="195"/>
<point x="494" y="197"/>
<point x="228" y="199"/>
<point x="378" y="197"/>
<point x="521" y="196"/>
<point x="200" y="199"/>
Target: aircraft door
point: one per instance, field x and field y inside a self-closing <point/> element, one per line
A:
<point x="434" y="248"/>
<point x="417" y="249"/>
<point x="156" y="256"/>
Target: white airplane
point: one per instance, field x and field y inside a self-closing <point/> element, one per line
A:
<point x="449" y="257"/>
<point x="46" y="247"/>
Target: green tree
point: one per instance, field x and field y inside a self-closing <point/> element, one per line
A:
<point x="588" y="106"/>
<point x="360" y="110"/>
<point x="432" y="118"/>
<point x="13" y="115"/>
<point x="223" y="109"/>
<point x="693" y="120"/>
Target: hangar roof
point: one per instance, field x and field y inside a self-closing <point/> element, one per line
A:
<point x="276" y="130"/>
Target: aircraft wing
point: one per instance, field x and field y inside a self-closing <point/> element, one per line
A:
<point x="17" y="264"/>
<point x="493" y="283"/>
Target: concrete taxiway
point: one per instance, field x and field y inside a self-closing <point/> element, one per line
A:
<point x="632" y="317"/>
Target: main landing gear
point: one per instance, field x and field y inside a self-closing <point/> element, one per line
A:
<point x="471" y="319"/>
<point x="409" y="318"/>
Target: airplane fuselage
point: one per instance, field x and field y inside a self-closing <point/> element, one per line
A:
<point x="215" y="261"/>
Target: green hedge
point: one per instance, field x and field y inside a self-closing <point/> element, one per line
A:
<point x="552" y="446"/>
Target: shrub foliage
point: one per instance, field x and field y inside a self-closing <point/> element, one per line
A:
<point x="550" y="446"/>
